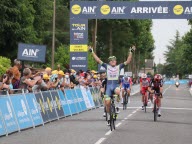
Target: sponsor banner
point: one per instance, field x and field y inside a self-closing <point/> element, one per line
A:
<point x="49" y="105"/>
<point x="2" y="128"/>
<point x="42" y="107"/>
<point x="81" y="100"/>
<point x="21" y="111"/>
<point x="90" y="98"/>
<point x="76" y="101"/>
<point x="78" y="31"/>
<point x="78" y="60"/>
<point x="31" y="52"/>
<point x="97" y="92"/>
<point x="131" y="10"/>
<point x="57" y="103"/>
<point x="8" y="115"/>
<point x="85" y="97"/>
<point x="64" y="103"/>
<point x="70" y="101"/>
<point x="130" y="74"/>
<point x="78" y="48"/>
<point x="33" y="107"/>
<point x="95" y="98"/>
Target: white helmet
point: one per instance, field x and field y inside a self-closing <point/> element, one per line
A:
<point x="143" y="76"/>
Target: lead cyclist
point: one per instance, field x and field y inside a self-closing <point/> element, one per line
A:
<point x="113" y="73"/>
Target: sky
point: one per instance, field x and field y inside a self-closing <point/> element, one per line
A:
<point x="163" y="31"/>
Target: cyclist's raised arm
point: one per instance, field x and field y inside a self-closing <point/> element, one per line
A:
<point x="132" y="49"/>
<point x="95" y="56"/>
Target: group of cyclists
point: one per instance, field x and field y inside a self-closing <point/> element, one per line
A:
<point x="112" y="87"/>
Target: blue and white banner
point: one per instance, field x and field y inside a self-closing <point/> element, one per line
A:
<point x="2" y="125"/>
<point x="21" y="111"/>
<point x="70" y="101"/>
<point x="8" y="115"/>
<point x="33" y="107"/>
<point x="86" y="98"/>
<point x="131" y="10"/>
<point x="31" y="52"/>
<point x="80" y="99"/>
<point x="64" y="103"/>
<point x="76" y="101"/>
<point x="90" y="97"/>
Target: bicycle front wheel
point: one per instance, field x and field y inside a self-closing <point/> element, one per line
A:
<point x="155" y="111"/>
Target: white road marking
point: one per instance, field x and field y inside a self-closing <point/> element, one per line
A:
<point x="108" y="133"/>
<point x="122" y="120"/>
<point x="100" y="140"/>
<point x="172" y="108"/>
<point x="130" y="115"/>
<point x="125" y="118"/>
<point x="166" y="89"/>
<point x="117" y="125"/>
<point x="134" y="112"/>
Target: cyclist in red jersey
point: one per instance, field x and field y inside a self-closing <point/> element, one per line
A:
<point x="144" y="85"/>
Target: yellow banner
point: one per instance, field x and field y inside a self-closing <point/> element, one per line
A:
<point x="78" y="48"/>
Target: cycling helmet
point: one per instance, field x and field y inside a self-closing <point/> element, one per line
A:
<point x="112" y="58"/>
<point x="143" y="76"/>
<point x="157" y="77"/>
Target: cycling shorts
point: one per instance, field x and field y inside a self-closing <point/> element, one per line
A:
<point x="144" y="90"/>
<point x="110" y="89"/>
<point x="126" y="86"/>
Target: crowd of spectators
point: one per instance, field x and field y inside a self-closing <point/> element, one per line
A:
<point x="47" y="79"/>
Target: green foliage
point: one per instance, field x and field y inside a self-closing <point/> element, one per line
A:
<point x="62" y="56"/>
<point x="5" y="64"/>
<point x="178" y="56"/>
<point x="92" y="64"/>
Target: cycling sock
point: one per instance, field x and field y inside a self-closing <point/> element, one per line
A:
<point x="159" y="111"/>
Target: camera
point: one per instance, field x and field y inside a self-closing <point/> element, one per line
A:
<point x="4" y="76"/>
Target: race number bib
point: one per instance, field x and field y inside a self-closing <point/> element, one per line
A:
<point x="112" y="72"/>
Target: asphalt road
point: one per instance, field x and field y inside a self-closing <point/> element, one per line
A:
<point x="133" y="125"/>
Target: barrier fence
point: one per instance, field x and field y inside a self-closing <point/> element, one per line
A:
<point x="27" y="110"/>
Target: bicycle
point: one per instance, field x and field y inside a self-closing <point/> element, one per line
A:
<point x="155" y="108"/>
<point x="145" y="101"/>
<point x="113" y="114"/>
<point x="125" y="100"/>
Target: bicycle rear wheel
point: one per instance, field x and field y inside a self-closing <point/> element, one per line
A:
<point x="124" y="102"/>
<point x="155" y="111"/>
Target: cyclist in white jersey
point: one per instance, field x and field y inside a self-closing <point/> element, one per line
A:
<point x="113" y="72"/>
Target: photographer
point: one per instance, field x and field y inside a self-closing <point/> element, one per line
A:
<point x="26" y="82"/>
<point x="6" y="82"/>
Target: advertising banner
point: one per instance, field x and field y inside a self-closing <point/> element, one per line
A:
<point x="21" y="111"/>
<point x="57" y="103"/>
<point x="42" y="107"/>
<point x="131" y="10"/>
<point x="85" y="97"/>
<point x="49" y="105"/>
<point x="70" y="101"/>
<point x="81" y="100"/>
<point x="64" y="103"/>
<point x="78" y="60"/>
<point x="33" y="107"/>
<point x="90" y="98"/>
<point x="31" y="52"/>
<point x="95" y="98"/>
<point x="2" y="125"/>
<point x="8" y="115"/>
<point x="75" y="98"/>
<point x="78" y="34"/>
<point x="97" y="92"/>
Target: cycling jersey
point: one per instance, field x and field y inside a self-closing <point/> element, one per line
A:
<point x="155" y="85"/>
<point x="126" y="82"/>
<point x="145" y="84"/>
<point x="112" y="77"/>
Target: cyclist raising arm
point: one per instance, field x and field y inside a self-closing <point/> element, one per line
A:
<point x="113" y="72"/>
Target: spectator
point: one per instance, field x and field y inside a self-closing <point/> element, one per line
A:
<point x="26" y="83"/>
<point x="48" y="71"/>
<point x="73" y="80"/>
<point x="16" y="74"/>
<point x="67" y="79"/>
<point x="6" y="82"/>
